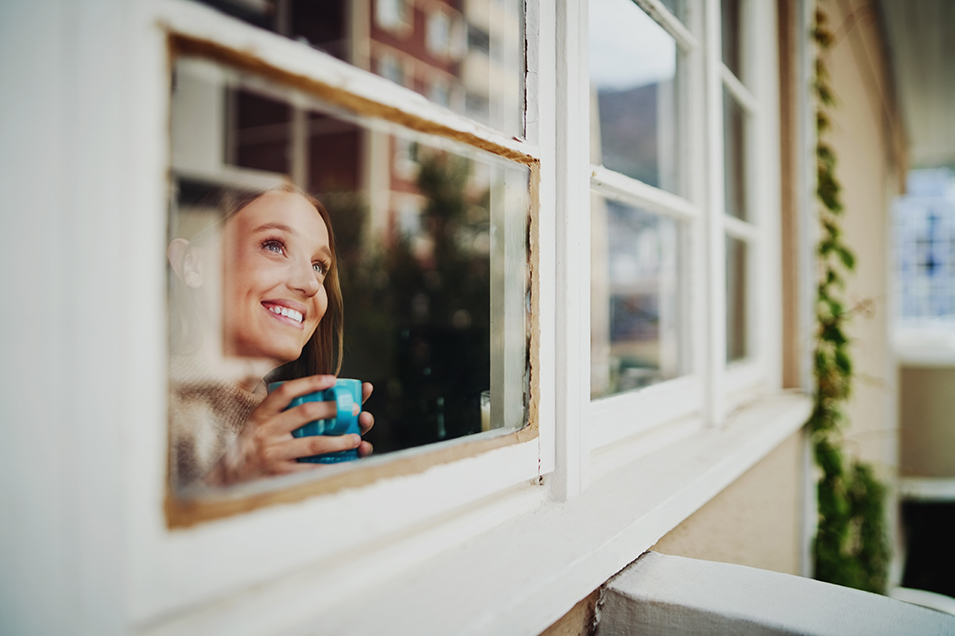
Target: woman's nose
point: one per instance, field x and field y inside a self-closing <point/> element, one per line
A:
<point x="304" y="279"/>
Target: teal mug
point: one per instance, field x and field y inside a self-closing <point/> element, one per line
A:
<point x="346" y="394"/>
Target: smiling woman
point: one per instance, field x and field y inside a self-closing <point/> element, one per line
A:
<point x="281" y="315"/>
<point x="276" y="258"/>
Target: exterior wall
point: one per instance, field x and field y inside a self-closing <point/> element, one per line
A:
<point x="864" y="139"/>
<point x="756" y="521"/>
<point x="926" y="413"/>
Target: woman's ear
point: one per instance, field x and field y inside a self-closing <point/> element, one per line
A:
<point x="186" y="262"/>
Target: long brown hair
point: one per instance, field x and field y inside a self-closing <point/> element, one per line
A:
<point x="322" y="354"/>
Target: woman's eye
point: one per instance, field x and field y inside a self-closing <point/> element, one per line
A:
<point x="274" y="246"/>
<point x="320" y="268"/>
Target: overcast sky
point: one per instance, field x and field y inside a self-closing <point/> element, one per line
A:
<point x="627" y="48"/>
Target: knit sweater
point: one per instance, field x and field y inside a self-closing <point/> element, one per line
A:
<point x="206" y="414"/>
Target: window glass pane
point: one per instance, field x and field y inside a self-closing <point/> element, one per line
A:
<point x="732" y="36"/>
<point x="633" y="83"/>
<point x="924" y="245"/>
<point x="635" y="308"/>
<point x="467" y="56"/>
<point x="736" y="291"/>
<point x="735" y="181"/>
<point x="427" y="243"/>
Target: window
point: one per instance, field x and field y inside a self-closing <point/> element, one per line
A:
<point x="392" y="14"/>
<point x="427" y="237"/>
<point x="659" y="84"/>
<point x="251" y="106"/>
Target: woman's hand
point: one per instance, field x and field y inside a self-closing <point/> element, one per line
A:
<point x="266" y="447"/>
<point x="365" y="420"/>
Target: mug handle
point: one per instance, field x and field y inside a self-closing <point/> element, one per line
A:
<point x="345" y="404"/>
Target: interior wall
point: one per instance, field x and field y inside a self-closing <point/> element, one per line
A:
<point x="927" y="419"/>
<point x="755" y="521"/>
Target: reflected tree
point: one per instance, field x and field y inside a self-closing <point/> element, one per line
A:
<point x="418" y="310"/>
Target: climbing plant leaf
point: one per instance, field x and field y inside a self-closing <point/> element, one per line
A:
<point x="851" y="546"/>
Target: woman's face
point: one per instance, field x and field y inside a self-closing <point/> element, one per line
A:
<point x="275" y="256"/>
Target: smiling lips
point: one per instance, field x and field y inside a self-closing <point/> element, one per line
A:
<point x="291" y="314"/>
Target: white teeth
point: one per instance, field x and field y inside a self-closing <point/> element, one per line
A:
<point x="285" y="311"/>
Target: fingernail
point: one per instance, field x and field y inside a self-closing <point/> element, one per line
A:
<point x="356" y="439"/>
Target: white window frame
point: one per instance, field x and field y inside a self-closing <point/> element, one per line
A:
<point x="175" y="568"/>
<point x="370" y="534"/>
<point x="711" y="388"/>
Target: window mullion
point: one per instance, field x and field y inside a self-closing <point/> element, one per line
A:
<point x="626" y="189"/>
<point x="715" y="238"/>
<point x="739" y="92"/>
<point x="658" y="11"/>
<point x="573" y="248"/>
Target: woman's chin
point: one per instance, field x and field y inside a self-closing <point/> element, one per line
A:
<point x="273" y="357"/>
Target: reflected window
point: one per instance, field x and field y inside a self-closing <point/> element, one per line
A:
<point x="634" y="66"/>
<point x="477" y="46"/>
<point x="732" y="36"/>
<point x="302" y="237"/>
<point x="635" y="308"/>
<point x="392" y="14"/>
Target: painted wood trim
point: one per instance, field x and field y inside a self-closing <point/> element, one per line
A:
<point x="573" y="248"/>
<point x="614" y="185"/>
<point x="743" y="230"/>
<point x="715" y="340"/>
<point x="619" y="516"/>
<point x="201" y="31"/>
<point x="662" y="16"/>
<point x="619" y="416"/>
<point x="739" y="92"/>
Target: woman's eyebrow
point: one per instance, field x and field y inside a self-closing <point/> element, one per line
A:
<point x="274" y="226"/>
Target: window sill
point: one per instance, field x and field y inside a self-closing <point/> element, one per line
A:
<point x="521" y="575"/>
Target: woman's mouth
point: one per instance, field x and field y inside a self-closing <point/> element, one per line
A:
<point x="284" y="313"/>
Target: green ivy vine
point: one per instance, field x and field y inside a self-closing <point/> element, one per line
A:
<point x="851" y="546"/>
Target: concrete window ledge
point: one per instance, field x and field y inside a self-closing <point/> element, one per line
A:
<point x="671" y="595"/>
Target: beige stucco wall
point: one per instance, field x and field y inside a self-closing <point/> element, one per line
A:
<point x="756" y="521"/>
<point x="927" y="418"/>
<point x="864" y="138"/>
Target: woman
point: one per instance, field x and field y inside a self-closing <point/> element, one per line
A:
<point x="279" y="314"/>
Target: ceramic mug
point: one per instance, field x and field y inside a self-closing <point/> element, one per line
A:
<point x="346" y="394"/>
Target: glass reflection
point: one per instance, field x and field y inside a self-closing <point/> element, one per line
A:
<point x="734" y="158"/>
<point x="677" y="8"/>
<point x="466" y="56"/>
<point x="428" y="243"/>
<point x="633" y="70"/>
<point x="634" y="298"/>
<point x="732" y="34"/>
<point x="736" y="291"/>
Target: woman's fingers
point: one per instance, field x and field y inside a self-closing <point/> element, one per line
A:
<point x="366" y="389"/>
<point x="366" y="420"/>
<point x="365" y="449"/>
<point x="302" y="414"/>
<point x="317" y="445"/>
<point x="279" y="399"/>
